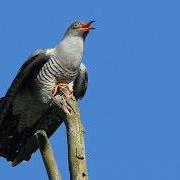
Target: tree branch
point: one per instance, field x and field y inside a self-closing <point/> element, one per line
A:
<point x="47" y="155"/>
<point x="75" y="137"/>
<point x="76" y="146"/>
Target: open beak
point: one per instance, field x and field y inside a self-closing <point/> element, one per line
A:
<point x="87" y="26"/>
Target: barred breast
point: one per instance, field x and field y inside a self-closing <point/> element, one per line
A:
<point x="51" y="73"/>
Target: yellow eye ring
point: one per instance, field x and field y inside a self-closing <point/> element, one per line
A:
<point x="77" y="25"/>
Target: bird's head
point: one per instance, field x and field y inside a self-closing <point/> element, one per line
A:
<point x="80" y="29"/>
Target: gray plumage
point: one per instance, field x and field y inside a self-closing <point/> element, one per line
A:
<point x="81" y="82"/>
<point x="30" y="95"/>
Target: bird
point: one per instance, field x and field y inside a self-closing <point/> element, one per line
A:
<point x="31" y="93"/>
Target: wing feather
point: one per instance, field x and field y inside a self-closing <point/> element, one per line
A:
<point x="10" y="139"/>
<point x="81" y="82"/>
<point x="35" y="61"/>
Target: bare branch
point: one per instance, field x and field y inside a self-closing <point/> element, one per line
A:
<point x="47" y="155"/>
<point x="75" y="137"/>
<point x="76" y="146"/>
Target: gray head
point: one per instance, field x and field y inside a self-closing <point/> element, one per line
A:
<point x="79" y="29"/>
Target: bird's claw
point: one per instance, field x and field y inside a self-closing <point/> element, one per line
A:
<point x="69" y="92"/>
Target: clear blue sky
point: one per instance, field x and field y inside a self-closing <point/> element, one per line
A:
<point x="131" y="112"/>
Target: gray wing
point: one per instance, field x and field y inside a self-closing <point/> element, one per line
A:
<point x="28" y="68"/>
<point x="81" y="82"/>
<point x="8" y="121"/>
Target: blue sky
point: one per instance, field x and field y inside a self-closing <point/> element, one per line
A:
<point x="131" y="110"/>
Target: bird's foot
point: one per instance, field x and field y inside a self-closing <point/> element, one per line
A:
<point x="63" y="86"/>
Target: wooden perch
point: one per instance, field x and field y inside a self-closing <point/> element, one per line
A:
<point x="76" y="147"/>
<point x="47" y="155"/>
<point x="75" y="137"/>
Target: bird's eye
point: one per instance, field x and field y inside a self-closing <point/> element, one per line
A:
<point x="77" y="25"/>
